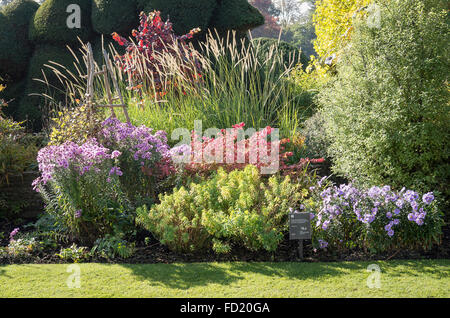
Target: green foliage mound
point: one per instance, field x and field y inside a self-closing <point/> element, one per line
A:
<point x="185" y="15"/>
<point x="236" y="15"/>
<point x="49" y="24"/>
<point x="110" y="16"/>
<point x="30" y="105"/>
<point x="236" y="208"/>
<point x="388" y="111"/>
<point x="15" y="49"/>
<point x="12" y="94"/>
<point x="289" y="52"/>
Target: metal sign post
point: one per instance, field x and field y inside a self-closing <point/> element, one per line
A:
<point x="299" y="229"/>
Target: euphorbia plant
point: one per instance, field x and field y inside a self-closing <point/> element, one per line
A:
<point x="155" y="42"/>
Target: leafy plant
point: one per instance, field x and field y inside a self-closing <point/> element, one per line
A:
<point x="387" y="113"/>
<point x="77" y="125"/>
<point x="231" y="208"/>
<point x="73" y="253"/>
<point x="111" y="247"/>
<point x="155" y="38"/>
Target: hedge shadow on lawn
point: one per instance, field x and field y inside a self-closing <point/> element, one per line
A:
<point x="187" y="275"/>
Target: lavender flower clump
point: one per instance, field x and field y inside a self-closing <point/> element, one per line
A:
<point x="375" y="217"/>
<point x="96" y="183"/>
<point x="144" y="146"/>
<point x="13" y="233"/>
<point x="69" y="156"/>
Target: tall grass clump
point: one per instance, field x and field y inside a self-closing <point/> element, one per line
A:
<point x="226" y="80"/>
<point x="234" y="83"/>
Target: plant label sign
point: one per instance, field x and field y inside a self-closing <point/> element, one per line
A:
<point x="299" y="226"/>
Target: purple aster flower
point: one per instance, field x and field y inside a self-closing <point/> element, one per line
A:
<point x="399" y="203"/>
<point x="321" y="181"/>
<point x="396" y="221"/>
<point x="323" y="244"/>
<point x="411" y="217"/>
<point x="116" y="171"/>
<point x="419" y="221"/>
<point x="115" y="154"/>
<point x="397" y="211"/>
<point x="428" y="198"/>
<point x="78" y="213"/>
<point x="13" y="233"/>
<point x="389" y="215"/>
<point x="390" y="233"/>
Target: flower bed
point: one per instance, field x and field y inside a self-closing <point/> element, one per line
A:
<point x="376" y="218"/>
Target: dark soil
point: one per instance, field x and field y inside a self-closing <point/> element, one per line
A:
<point x="154" y="252"/>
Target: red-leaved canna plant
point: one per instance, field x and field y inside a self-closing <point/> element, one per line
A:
<point x="145" y="61"/>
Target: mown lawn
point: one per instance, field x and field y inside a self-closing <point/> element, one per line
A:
<point x="410" y="278"/>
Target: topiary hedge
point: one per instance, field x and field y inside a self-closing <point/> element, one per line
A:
<point x="29" y="107"/>
<point x="15" y="49"/>
<point x="49" y="24"/>
<point x="235" y="15"/>
<point x="12" y="94"/>
<point x="185" y="15"/>
<point x="110" y="16"/>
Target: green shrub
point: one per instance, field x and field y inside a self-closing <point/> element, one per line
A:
<point x="230" y="208"/>
<point x="15" y="48"/>
<point x="75" y="125"/>
<point x="316" y="141"/>
<point x="290" y="53"/>
<point x="11" y="95"/>
<point x="236" y="15"/>
<point x="73" y="253"/>
<point x="110" y="247"/>
<point x="49" y="24"/>
<point x="387" y="113"/>
<point x="17" y="150"/>
<point x="110" y="16"/>
<point x="185" y="15"/>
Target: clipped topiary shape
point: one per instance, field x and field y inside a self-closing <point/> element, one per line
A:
<point x="185" y="15"/>
<point x="49" y="24"/>
<point x="98" y="45"/>
<point x="30" y="106"/>
<point x="15" y="49"/>
<point x="236" y="15"/>
<point x="110" y="16"/>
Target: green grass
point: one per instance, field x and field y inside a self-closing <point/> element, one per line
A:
<point x="418" y="278"/>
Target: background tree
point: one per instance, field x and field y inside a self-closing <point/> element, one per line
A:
<point x="302" y="33"/>
<point x="271" y="28"/>
<point x="333" y="23"/>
